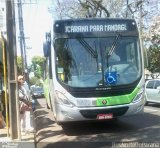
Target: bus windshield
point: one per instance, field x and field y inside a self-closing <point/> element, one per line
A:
<point x="96" y="62"/>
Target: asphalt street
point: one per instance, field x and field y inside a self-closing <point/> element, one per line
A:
<point x="139" y="130"/>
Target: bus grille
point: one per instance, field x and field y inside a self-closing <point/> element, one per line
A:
<point x="92" y="114"/>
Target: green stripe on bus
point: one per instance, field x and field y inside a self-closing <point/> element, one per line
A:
<point x="116" y="100"/>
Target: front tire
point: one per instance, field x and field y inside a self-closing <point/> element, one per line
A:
<point x="146" y="103"/>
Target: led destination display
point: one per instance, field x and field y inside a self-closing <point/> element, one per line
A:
<point x="98" y="25"/>
<point x="96" y="28"/>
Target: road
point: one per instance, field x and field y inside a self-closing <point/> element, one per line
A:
<point x="139" y="131"/>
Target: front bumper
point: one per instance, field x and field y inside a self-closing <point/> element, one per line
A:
<point x="69" y="114"/>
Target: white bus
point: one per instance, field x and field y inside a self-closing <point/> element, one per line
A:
<point x="94" y="69"/>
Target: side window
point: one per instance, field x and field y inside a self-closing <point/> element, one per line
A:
<point x="157" y="83"/>
<point x="150" y="84"/>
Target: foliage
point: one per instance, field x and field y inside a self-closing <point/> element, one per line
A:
<point x="154" y="48"/>
<point x="85" y="8"/>
<point x="154" y="32"/>
<point x="19" y="65"/>
<point x="37" y="66"/>
<point x="153" y="57"/>
<point x="35" y="81"/>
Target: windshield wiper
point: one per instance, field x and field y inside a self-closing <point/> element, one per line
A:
<point x="88" y="47"/>
<point x="114" y="45"/>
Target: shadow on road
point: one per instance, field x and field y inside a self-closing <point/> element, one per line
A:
<point x="139" y="128"/>
<point x="154" y="105"/>
<point x="76" y="145"/>
<point x="41" y="116"/>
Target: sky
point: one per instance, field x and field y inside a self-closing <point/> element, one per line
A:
<point x="36" y="20"/>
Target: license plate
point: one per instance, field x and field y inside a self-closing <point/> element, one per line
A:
<point x="104" y="116"/>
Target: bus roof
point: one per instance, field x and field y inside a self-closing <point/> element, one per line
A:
<point x="95" y="25"/>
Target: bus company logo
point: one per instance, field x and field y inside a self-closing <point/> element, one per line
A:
<point x="104" y="102"/>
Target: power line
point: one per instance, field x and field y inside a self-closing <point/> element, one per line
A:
<point x="22" y="36"/>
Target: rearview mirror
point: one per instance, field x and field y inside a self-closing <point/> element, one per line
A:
<point x="46" y="49"/>
<point x="47" y="45"/>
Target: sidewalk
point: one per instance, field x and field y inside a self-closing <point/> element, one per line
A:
<point x="27" y="140"/>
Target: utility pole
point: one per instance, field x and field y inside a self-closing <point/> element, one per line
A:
<point x="22" y="36"/>
<point x="12" y="71"/>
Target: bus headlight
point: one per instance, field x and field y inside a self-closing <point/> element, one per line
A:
<point x="62" y="99"/>
<point x="139" y="95"/>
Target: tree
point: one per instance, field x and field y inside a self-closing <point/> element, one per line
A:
<point x="66" y="9"/>
<point x="35" y="81"/>
<point x="19" y="65"/>
<point x="85" y="8"/>
<point x="94" y="8"/>
<point x="37" y="66"/>
<point x="154" y="48"/>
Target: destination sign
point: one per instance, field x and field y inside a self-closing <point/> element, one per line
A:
<point x="90" y="27"/>
<point x="95" y="28"/>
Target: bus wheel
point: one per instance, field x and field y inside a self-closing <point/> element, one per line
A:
<point x="64" y="126"/>
<point x="146" y="103"/>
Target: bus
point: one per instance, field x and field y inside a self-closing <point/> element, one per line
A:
<point x="94" y="69"/>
